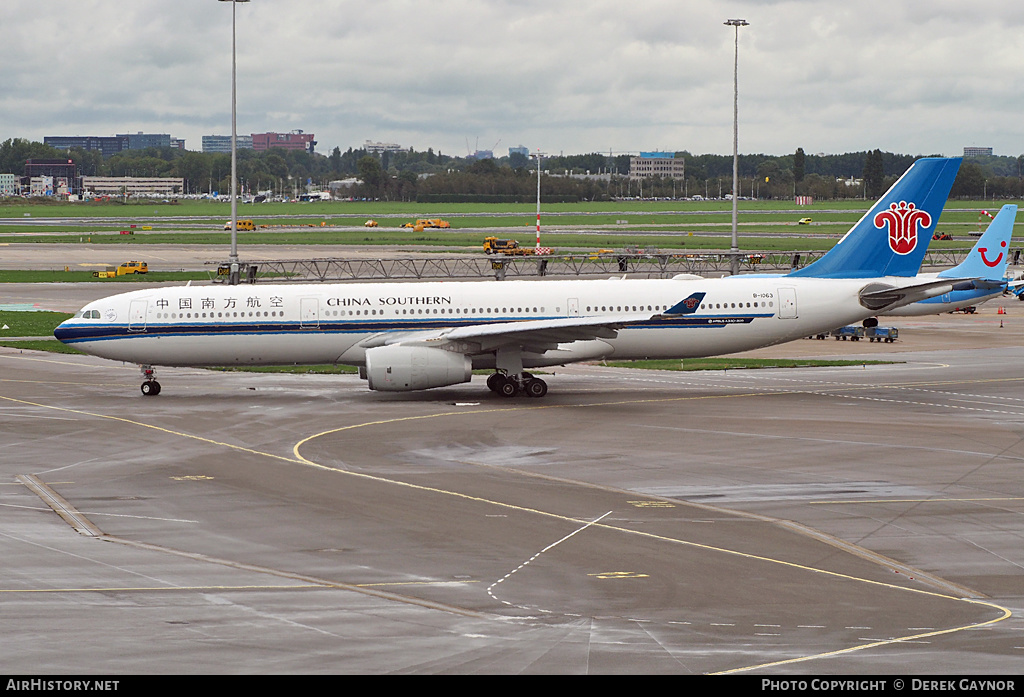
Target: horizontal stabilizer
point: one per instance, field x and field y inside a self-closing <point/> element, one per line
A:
<point x="881" y="296"/>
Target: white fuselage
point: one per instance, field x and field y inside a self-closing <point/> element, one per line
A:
<point x="336" y="323"/>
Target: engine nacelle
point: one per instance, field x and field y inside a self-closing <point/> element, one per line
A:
<point x="404" y="368"/>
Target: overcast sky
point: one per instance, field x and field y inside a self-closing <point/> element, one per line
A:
<point x="557" y="75"/>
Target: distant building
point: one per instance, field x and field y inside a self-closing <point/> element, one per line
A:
<point x="977" y="152"/>
<point x="105" y="145"/>
<point x="657" y="164"/>
<point x="117" y="186"/>
<point x="64" y="173"/>
<point x="378" y="148"/>
<point x="111" y="145"/>
<point x="520" y="150"/>
<point x="295" y="140"/>
<point x="40" y="186"/>
<point x="10" y="185"/>
<point x="223" y="143"/>
<point x="140" y="140"/>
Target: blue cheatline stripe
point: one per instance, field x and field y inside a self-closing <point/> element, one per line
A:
<point x="106" y="332"/>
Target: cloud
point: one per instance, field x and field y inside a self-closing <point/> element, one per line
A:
<point x="560" y="76"/>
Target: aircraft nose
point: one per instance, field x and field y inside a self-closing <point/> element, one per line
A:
<point x="64" y="331"/>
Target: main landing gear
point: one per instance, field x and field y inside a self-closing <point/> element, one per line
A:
<point x="150" y="387"/>
<point x="511" y="385"/>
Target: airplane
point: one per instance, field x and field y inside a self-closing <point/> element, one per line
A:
<point x="413" y="336"/>
<point x="985" y="267"/>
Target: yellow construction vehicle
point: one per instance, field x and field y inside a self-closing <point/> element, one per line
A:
<point x="492" y="245"/>
<point x="428" y="222"/>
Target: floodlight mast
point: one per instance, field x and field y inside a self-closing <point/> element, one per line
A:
<point x="735" y="250"/>
<point x="233" y="257"/>
<point x="538" y="156"/>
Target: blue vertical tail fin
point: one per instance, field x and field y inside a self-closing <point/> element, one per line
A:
<point x="892" y="237"/>
<point x="990" y="255"/>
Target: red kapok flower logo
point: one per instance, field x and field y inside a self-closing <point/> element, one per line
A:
<point x="902" y="220"/>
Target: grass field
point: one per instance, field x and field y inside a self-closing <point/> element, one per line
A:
<point x="33" y="324"/>
<point x="30" y="323"/>
<point x="661" y="225"/>
<point x="18" y="208"/>
<point x="769" y="237"/>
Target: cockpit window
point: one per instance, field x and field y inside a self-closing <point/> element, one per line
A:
<point x="88" y="314"/>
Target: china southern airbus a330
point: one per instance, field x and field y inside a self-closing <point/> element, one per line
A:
<point x="413" y="336"/>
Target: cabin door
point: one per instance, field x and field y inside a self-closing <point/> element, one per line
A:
<point x="309" y="313"/>
<point x="787" y="303"/>
<point x="137" y="315"/>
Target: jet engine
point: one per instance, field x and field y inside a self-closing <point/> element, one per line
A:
<point x="404" y="368"/>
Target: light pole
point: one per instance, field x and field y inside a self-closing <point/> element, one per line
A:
<point x="539" y="155"/>
<point x="735" y="250"/>
<point x="233" y="258"/>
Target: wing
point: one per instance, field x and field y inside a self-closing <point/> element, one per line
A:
<point x="536" y="336"/>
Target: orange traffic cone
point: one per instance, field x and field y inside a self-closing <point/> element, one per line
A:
<point x="1002" y="311"/>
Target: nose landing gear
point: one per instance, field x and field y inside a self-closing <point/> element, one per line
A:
<point x="150" y="387"/>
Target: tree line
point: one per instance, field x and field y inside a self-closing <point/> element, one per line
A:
<point x="409" y="175"/>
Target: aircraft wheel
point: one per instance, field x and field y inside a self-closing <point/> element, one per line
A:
<point x="508" y="388"/>
<point x="494" y="382"/>
<point x="151" y="388"/>
<point x="536" y="388"/>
